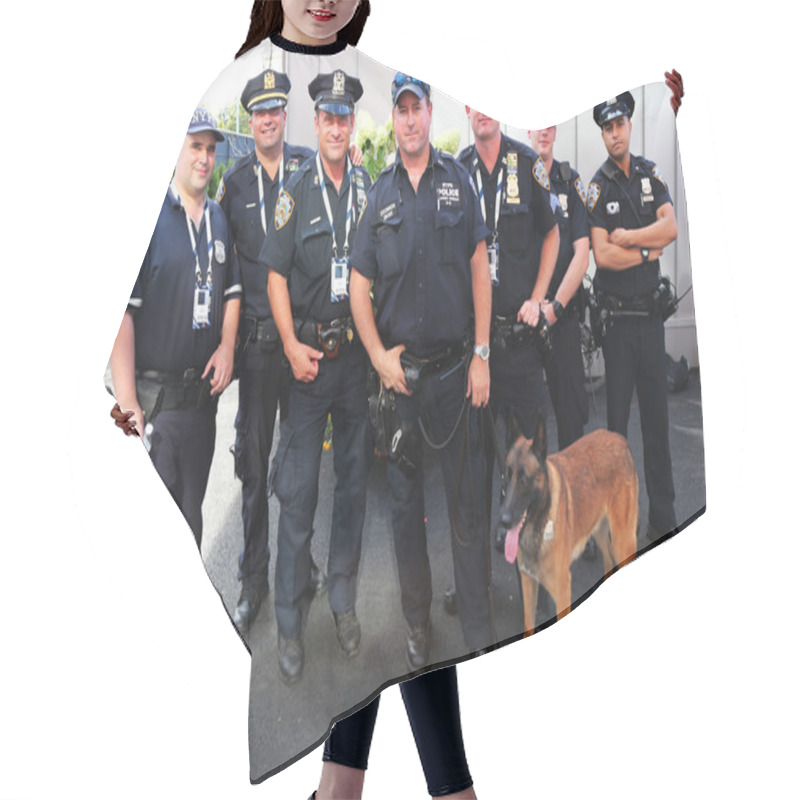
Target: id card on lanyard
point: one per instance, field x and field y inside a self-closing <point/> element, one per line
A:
<point x="340" y="266"/>
<point x="493" y="248"/>
<point x="203" y="290"/>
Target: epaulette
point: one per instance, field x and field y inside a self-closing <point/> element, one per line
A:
<point x="607" y="170"/>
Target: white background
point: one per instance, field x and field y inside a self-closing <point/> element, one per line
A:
<point x="120" y="675"/>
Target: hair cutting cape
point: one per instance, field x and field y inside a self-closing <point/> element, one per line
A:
<point x="285" y="722"/>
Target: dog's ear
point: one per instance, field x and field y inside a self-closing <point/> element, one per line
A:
<point x="539" y="445"/>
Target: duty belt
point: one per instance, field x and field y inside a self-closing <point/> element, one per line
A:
<point x="439" y="363"/>
<point x="641" y="305"/>
<point x="252" y="330"/>
<point x="162" y="391"/>
<point x="327" y="336"/>
<point x="507" y="333"/>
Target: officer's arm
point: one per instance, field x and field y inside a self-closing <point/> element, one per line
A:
<point x="658" y="234"/>
<point x="386" y="362"/>
<point x="303" y="359"/>
<point x="221" y="360"/>
<point x="478" y="380"/>
<point x="123" y="370"/>
<point x="614" y="257"/>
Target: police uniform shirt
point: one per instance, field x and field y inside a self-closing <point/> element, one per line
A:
<point x="620" y="202"/>
<point x="569" y="199"/>
<point x="299" y="244"/>
<point x="417" y="248"/>
<point x="238" y="195"/>
<point x="526" y="216"/>
<point x="162" y="300"/>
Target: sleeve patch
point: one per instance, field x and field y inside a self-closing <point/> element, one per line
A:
<point x="657" y="176"/>
<point x="283" y="209"/>
<point x="580" y="189"/>
<point x="220" y="191"/>
<point x="593" y="195"/>
<point x="540" y="173"/>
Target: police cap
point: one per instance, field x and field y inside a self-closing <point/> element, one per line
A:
<point x="620" y="106"/>
<point x="268" y="90"/>
<point x="202" y="120"/>
<point x="335" y="92"/>
<point x="403" y="83"/>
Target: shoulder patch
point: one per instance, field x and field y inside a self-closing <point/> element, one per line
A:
<point x="580" y="189"/>
<point x="283" y="209"/>
<point x="592" y="196"/>
<point x="220" y="190"/>
<point x="657" y="176"/>
<point x="540" y="173"/>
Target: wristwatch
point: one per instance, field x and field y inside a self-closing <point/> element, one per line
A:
<point x="645" y="251"/>
<point x="482" y="351"/>
<point x="558" y="309"/>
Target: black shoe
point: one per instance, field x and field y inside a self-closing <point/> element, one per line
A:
<point x="290" y="659"/>
<point x="319" y="581"/>
<point x="418" y="646"/>
<point x="451" y="601"/>
<point x="254" y="590"/>
<point x="348" y="632"/>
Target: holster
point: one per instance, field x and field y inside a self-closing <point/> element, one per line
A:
<point x="158" y="391"/>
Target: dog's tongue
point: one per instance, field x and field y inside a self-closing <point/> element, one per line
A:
<point x="512" y="542"/>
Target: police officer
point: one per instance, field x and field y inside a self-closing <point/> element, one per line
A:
<point x="248" y="193"/>
<point x="632" y="220"/>
<point x="307" y="251"/>
<point x="422" y="242"/>
<point x="564" y="370"/>
<point x="514" y="192"/>
<point x="173" y="355"/>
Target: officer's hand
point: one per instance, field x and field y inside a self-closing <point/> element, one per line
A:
<point x="621" y="237"/>
<point x="304" y="361"/>
<point x="549" y="312"/>
<point x="529" y="313"/>
<point x="391" y="371"/>
<point x="675" y="84"/>
<point x="129" y="422"/>
<point x="356" y="156"/>
<point x="655" y="254"/>
<point x="222" y="364"/>
<point x="478" y="382"/>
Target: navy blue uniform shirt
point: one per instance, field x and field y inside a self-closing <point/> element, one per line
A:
<point x="526" y="216"/>
<point x="162" y="300"/>
<point x="239" y="197"/>
<point x="620" y="202"/>
<point x="417" y="247"/>
<point x="573" y="218"/>
<point x="299" y="244"/>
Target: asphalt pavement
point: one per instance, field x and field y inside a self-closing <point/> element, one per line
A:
<point x="286" y="722"/>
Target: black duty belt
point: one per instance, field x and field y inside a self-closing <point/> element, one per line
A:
<point x="508" y="333"/>
<point x="441" y="362"/>
<point x="263" y="331"/>
<point x="163" y="391"/>
<point x="329" y="337"/>
<point x="640" y="304"/>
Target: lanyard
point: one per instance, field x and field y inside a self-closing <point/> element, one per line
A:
<point x="261" y="191"/>
<point x="479" y="182"/>
<point x="190" y="226"/>
<point x="327" y="203"/>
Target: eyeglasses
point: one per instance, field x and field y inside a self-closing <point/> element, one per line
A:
<point x="401" y="80"/>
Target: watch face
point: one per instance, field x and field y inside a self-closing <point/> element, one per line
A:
<point x="482" y="350"/>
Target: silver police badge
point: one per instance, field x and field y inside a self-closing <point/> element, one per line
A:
<point x="593" y="196"/>
<point x="646" y="188"/>
<point x="219" y="251"/>
<point x="338" y="82"/>
<point x="564" y="200"/>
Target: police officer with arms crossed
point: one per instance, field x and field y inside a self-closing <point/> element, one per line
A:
<point x="307" y="250"/>
<point x="248" y="193"/>
<point x="632" y="220"/>
<point x="514" y="193"/>
<point x="422" y="241"/>
<point x="173" y="355"/>
<point x="564" y="370"/>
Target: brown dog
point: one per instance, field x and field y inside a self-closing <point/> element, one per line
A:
<point x="554" y="505"/>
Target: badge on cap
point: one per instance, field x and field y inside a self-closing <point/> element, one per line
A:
<point x="269" y="80"/>
<point x="592" y="196"/>
<point x="338" y="83"/>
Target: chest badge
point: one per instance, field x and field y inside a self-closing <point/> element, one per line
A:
<point x="612" y="207"/>
<point x="512" y="179"/>
<point x="219" y="251"/>
<point x="646" y="187"/>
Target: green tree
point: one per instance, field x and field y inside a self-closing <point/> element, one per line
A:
<point x="226" y="119"/>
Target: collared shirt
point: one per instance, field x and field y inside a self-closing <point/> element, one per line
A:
<point x="569" y="199"/>
<point x="417" y="247"/>
<point x="615" y="201"/>
<point x="299" y="243"/>
<point x="238" y="195"/>
<point x="162" y="300"/>
<point x="526" y="216"/>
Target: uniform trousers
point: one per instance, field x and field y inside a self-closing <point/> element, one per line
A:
<point x="431" y="702"/>
<point x="263" y="383"/>
<point x="340" y="389"/>
<point x="565" y="380"/>
<point x="182" y="448"/>
<point x="437" y="402"/>
<point x="634" y="356"/>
